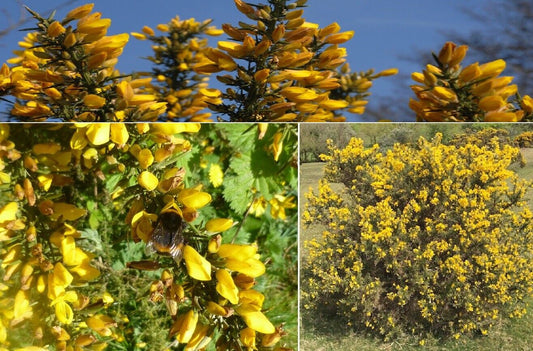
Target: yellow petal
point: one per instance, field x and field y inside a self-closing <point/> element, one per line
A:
<point x="46" y="148"/>
<point x="64" y="312"/>
<point x="193" y="198"/>
<point x="22" y="308"/>
<point x="98" y="133"/>
<point x="8" y="212"/>
<point x="237" y="251"/>
<point x="147" y="180"/>
<point x="79" y="12"/>
<point x="226" y="286"/>
<point x="217" y="225"/>
<point x="216" y="309"/>
<point x="252" y="267"/>
<point x="197" y="266"/>
<point x="247" y="336"/>
<point x="101" y="324"/>
<point x="184" y="326"/>
<point x="255" y="320"/>
<point x="175" y="128"/>
<point x="94" y="101"/>
<point x="145" y="158"/>
<point x="78" y="141"/>
<point x="340" y="38"/>
<point x="119" y="133"/>
<point x="200" y="338"/>
<point x="67" y="211"/>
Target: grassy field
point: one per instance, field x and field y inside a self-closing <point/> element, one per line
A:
<point x="319" y="335"/>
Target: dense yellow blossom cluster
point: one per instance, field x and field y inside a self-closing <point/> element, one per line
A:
<point x="425" y="238"/>
<point x="176" y="51"/>
<point x="53" y="290"/>
<point x="278" y="68"/>
<point x="292" y="71"/>
<point x="475" y="93"/>
<point x="65" y="70"/>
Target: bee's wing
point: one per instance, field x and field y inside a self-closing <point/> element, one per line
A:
<point x="176" y="246"/>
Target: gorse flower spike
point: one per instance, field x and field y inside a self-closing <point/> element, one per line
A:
<point x="475" y="93"/>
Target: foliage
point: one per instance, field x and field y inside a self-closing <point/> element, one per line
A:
<point x="129" y="236"/>
<point x="426" y="239"/>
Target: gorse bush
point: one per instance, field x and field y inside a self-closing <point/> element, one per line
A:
<point x="425" y="239"/>
<point x="136" y="236"/>
<point x="524" y="139"/>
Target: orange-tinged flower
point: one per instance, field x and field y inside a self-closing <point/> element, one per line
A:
<point x="340" y="38"/>
<point x="329" y="29"/>
<point x="492" y="69"/>
<point x="55" y="29"/>
<point x="145" y="158"/>
<point x="216" y="309"/>
<point x="270" y="340"/>
<point x="458" y="55"/>
<point x="527" y="104"/>
<point x="226" y="286"/>
<point x="491" y="102"/>
<point x="66" y="211"/>
<point x="500" y="116"/>
<point x="94" y="101"/>
<point x="197" y="266"/>
<point x="445" y="54"/>
<point x="79" y="12"/>
<point x="46" y="148"/>
<point x="94" y="25"/>
<point x="247" y="336"/>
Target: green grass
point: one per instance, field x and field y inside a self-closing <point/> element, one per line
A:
<point x="318" y="334"/>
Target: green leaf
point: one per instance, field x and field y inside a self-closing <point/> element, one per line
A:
<point x="112" y="181"/>
<point x="238" y="184"/>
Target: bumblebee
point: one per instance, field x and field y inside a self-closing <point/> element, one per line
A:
<point x="167" y="237"/>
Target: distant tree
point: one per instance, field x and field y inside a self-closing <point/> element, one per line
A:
<point x="506" y="33"/>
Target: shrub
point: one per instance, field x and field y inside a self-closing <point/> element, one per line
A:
<point x="524" y="139"/>
<point x="426" y="238"/>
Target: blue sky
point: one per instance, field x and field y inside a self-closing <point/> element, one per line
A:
<point x="384" y="29"/>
